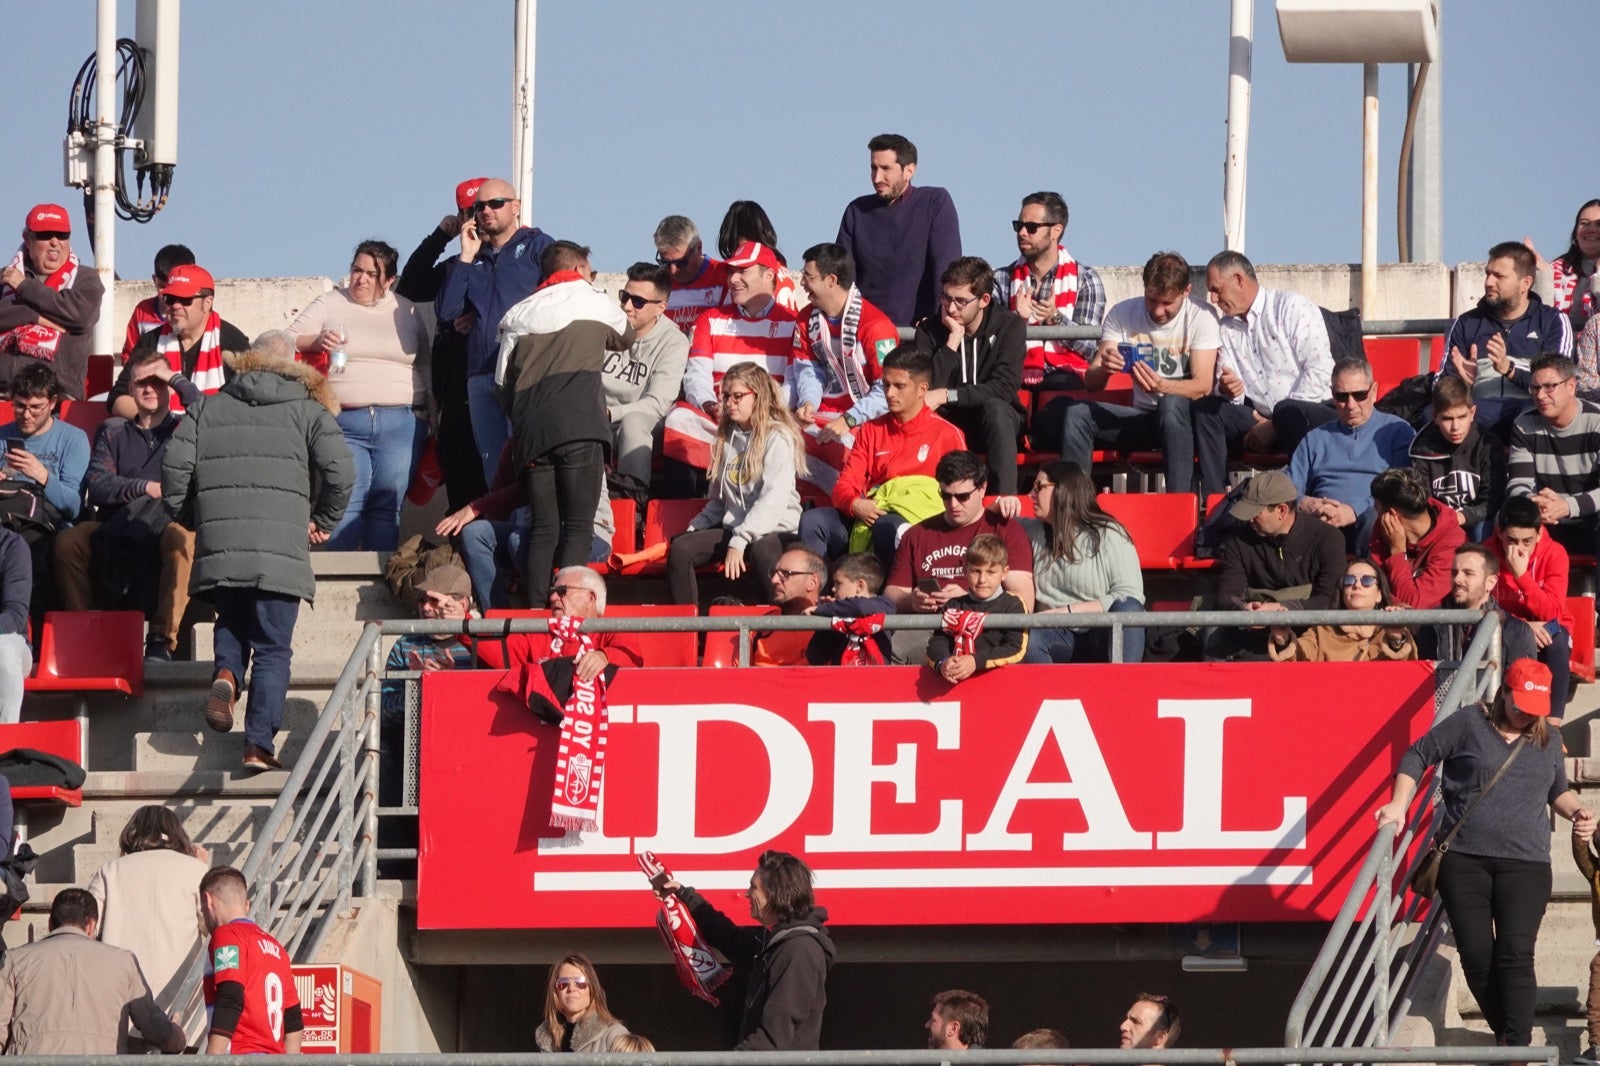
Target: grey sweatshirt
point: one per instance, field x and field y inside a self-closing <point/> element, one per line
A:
<point x="1513" y="821"/>
<point x="646" y="378"/>
<point x="1107" y="575"/>
<point x="770" y="505"/>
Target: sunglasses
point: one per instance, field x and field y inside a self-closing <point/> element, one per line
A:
<point x="564" y="983"/>
<point x="1350" y="581"/>
<point x="561" y="591"/>
<point x="679" y="263"/>
<point x="638" y="303"/>
<point x="1359" y="396"/>
<point x="956" y="497"/>
<point x="1017" y="226"/>
<point x="179" y="301"/>
<point x="49" y="235"/>
<point x="494" y="205"/>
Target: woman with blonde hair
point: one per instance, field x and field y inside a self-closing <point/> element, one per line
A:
<point x="149" y="897"/>
<point x="576" y="1017"/>
<point x="754" y="506"/>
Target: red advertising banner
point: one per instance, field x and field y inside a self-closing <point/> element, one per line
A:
<point x="1034" y="794"/>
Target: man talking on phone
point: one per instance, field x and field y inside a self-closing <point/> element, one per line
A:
<point x="1168" y="344"/>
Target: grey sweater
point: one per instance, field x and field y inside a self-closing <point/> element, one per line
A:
<point x="1107" y="575"/>
<point x="646" y="378"/>
<point x="1513" y="822"/>
<point x="770" y="505"/>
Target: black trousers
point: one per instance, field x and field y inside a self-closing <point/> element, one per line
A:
<point x="1495" y="907"/>
<point x="563" y="486"/>
<point x="697" y="548"/>
<point x="992" y="429"/>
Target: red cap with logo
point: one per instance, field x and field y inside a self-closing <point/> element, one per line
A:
<point x="48" y="218"/>
<point x="187" y="281"/>
<point x="1528" y="686"/>
<point x="467" y="192"/>
<point x="751" y="254"/>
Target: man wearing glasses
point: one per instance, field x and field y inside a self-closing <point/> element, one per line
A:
<point x="192" y="341"/>
<point x="977" y="348"/>
<point x="1555" y="456"/>
<point x="642" y="383"/>
<point x="498" y="267"/>
<point x="578" y="592"/>
<point x="49" y="303"/>
<point x="1047" y="287"/>
<point x="698" y="281"/>
<point x="1334" y="466"/>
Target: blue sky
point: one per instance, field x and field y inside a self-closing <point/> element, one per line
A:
<point x="306" y="127"/>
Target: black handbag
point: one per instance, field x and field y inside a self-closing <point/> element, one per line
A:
<point x="1424" y="880"/>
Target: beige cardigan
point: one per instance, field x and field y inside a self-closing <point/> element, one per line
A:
<point x="150" y="905"/>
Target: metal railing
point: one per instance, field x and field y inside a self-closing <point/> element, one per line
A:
<point x="1362" y="983"/>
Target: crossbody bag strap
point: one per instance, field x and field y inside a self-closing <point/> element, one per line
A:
<point x="1444" y="845"/>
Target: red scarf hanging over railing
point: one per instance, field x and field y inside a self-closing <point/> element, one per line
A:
<point x="581" y="752"/>
<point x="860" y="648"/>
<point x="964" y="628"/>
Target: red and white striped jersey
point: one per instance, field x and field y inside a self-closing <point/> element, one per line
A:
<point x="724" y="337"/>
<point x="708" y="290"/>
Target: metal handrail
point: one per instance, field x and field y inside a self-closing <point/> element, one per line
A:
<point x="1378" y="327"/>
<point x="1361" y="983"/>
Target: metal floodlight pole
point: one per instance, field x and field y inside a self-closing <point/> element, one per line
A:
<point x="105" y="175"/>
<point x="1369" y="189"/>
<point x="1241" y="39"/>
<point x="522" y="106"/>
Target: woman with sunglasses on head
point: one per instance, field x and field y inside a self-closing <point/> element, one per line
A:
<point x="1363" y="588"/>
<point x="374" y="346"/>
<point x="1084" y="562"/>
<point x="754" y="507"/>
<point x="576" y="1017"/>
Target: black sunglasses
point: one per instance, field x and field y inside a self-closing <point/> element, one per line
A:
<point x="685" y="260"/>
<point x="561" y="591"/>
<point x="50" y="235"/>
<point x="494" y="205"/>
<point x="637" y="302"/>
<point x="1358" y="395"/>
<point x="956" y="497"/>
<point x="1017" y="226"/>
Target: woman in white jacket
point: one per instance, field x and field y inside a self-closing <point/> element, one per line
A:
<point x="754" y="504"/>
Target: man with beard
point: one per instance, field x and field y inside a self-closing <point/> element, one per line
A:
<point x="900" y="238"/>
<point x="1047" y="287"/>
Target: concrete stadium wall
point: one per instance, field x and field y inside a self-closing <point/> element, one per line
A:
<point x="1423" y="290"/>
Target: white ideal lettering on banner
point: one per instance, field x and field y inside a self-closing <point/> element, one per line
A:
<point x="1202" y="784"/>
<point x="1091" y="786"/>
<point x="791" y="777"/>
<point x="854" y="774"/>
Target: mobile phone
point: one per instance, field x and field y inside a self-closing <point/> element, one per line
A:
<point x="930" y="585"/>
<point x="15" y="445"/>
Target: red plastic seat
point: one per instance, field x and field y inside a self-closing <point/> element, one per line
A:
<point x="1582" y="610"/>
<point x="1162" y="525"/>
<point x="665" y="519"/>
<point x="625" y="517"/>
<point x="722" y="649"/>
<point x="1024" y="499"/>
<point x="63" y="738"/>
<point x="90" y="651"/>
<point x="1393" y="359"/>
<point x="101" y="375"/>
<point x="658" y="649"/>
<point x="87" y="416"/>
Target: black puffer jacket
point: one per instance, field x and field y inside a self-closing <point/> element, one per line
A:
<point x="788" y="970"/>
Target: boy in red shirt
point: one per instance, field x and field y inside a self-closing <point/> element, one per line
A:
<point x="249" y="987"/>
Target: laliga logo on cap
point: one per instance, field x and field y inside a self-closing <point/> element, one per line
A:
<point x="51" y="216"/>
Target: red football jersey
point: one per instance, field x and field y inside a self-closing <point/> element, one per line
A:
<point x="242" y="951"/>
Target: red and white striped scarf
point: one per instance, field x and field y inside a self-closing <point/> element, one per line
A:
<point x="581" y="751"/>
<point x="848" y="372"/>
<point x="1568" y="276"/>
<point x="1059" y="286"/>
<point x="208" y="374"/>
<point x="698" y="969"/>
<point x="860" y="649"/>
<point x="964" y="628"/>
<point x="33" y="339"/>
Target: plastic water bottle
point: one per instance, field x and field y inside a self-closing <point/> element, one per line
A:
<point x="337" y="358"/>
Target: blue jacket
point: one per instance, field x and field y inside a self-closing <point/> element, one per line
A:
<point x="16" y="586"/>
<point x="494" y="281"/>
<point x="1541" y="329"/>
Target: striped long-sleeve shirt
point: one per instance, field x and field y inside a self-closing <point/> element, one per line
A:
<point x="1566" y="460"/>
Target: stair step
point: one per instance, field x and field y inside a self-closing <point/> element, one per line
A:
<point x="165" y="784"/>
<point x="1561" y="963"/>
<point x="203" y="749"/>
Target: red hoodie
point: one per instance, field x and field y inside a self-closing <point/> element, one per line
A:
<point x="1540" y="594"/>
<point x="887" y="448"/>
<point x="1420" y="576"/>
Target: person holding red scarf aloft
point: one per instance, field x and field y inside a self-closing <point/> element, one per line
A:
<point x="49" y="303"/>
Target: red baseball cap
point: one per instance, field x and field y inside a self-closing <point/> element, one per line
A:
<point x="1528" y="686"/>
<point x="751" y="254"/>
<point x="48" y="218"/>
<point x="187" y="281"/>
<point x="467" y="192"/>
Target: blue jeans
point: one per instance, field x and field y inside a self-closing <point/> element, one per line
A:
<point x="259" y="626"/>
<point x="492" y="551"/>
<point x="1169" y="428"/>
<point x="385" y="443"/>
<point x="1087" y="646"/>
<point x="490" y="426"/>
<point x="827" y="532"/>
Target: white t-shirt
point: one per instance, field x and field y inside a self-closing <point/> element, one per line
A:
<point x="1193" y="328"/>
